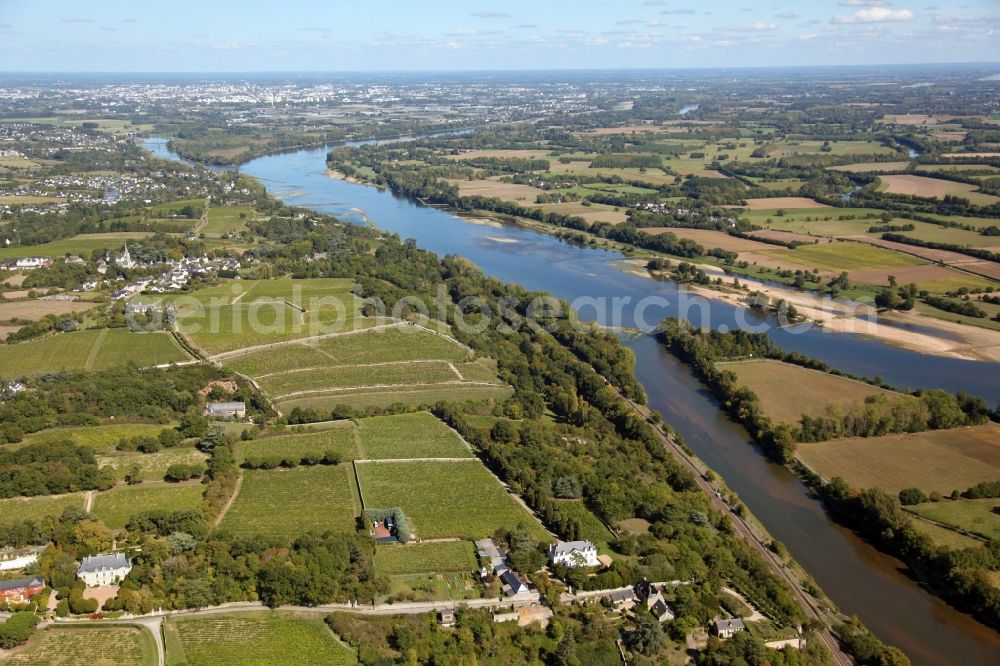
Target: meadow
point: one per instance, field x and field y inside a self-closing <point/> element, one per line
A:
<point x="93" y="646"/>
<point x="116" y="506"/>
<point x="943" y="536"/>
<point x="845" y="256"/>
<point x="35" y="309"/>
<point x="100" y="438"/>
<point x="82" y="245"/>
<point x="974" y="516"/>
<point x="445" y="499"/>
<point x="253" y="639"/>
<point x="225" y="220"/>
<point x="787" y="391"/>
<point x="95" y="349"/>
<point x="342" y="440"/>
<point x="17" y="509"/>
<point x="399" y="559"/>
<point x="287" y="503"/>
<point x="936" y="460"/>
<point x="418" y="435"/>
<point x="153" y="465"/>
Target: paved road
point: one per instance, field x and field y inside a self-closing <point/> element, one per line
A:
<point x="743" y="530"/>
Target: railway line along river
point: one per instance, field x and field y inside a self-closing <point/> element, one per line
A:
<point x="859" y="578"/>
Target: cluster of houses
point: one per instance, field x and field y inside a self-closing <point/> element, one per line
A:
<point x="96" y="571"/>
<point x="176" y="276"/>
<point x="512" y="583"/>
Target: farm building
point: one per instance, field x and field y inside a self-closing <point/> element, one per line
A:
<point x="104" y="569"/>
<point x="486" y="549"/>
<point x="728" y="628"/>
<point x="623" y="599"/>
<point x="574" y="554"/>
<point x="20" y="590"/>
<point x="226" y="410"/>
<point x="514" y="583"/>
<point x="18" y="558"/>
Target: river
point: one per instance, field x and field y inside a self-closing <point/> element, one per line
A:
<point x="859" y="578"/>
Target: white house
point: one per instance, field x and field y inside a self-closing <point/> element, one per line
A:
<point x="18" y="558"/>
<point x="513" y="583"/>
<point x="574" y="554"/>
<point x="226" y="410"/>
<point x="29" y="263"/>
<point x="728" y="628"/>
<point x="104" y="569"/>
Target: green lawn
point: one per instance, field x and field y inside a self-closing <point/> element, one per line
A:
<point x="93" y="646"/>
<point x="98" y="349"/>
<point x="17" y="509"/>
<point x="288" y="503"/>
<point x="342" y="440"/>
<point x="442" y="499"/>
<point x="116" y="506"/>
<point x="973" y="516"/>
<point x="419" y="435"/>
<point x="253" y="639"/>
<point x="845" y="256"/>
<point x="396" y="559"/>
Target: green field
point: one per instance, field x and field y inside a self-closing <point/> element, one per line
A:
<point x="219" y="221"/>
<point x="972" y="516"/>
<point x="342" y="440"/>
<point x="81" y="245"/>
<point x="288" y="503"/>
<point x="942" y="536"/>
<point x="298" y="382"/>
<point x="153" y="465"/>
<point x="396" y="559"/>
<point x="116" y="506"/>
<point x="17" y="509"/>
<point x="93" y="646"/>
<point x="98" y="349"/>
<point x="253" y="639"/>
<point x="845" y="256"/>
<point x="418" y="435"/>
<point x="445" y="499"/>
<point x="100" y="438"/>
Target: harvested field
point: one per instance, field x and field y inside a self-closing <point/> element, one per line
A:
<point x="871" y="167"/>
<point x="524" y="194"/>
<point x="592" y="213"/>
<point x="519" y="154"/>
<point x="936" y="460"/>
<point x="254" y="639"/>
<point x="445" y="499"/>
<point x="711" y="239"/>
<point x="787" y="391"/>
<point x="981" y="267"/>
<point x="922" y="186"/>
<point x="781" y="202"/>
<point x="288" y="503"/>
<point x="36" y="309"/>
<point x="787" y="236"/>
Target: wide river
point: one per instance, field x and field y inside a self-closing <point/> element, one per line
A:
<point x="859" y="578"/>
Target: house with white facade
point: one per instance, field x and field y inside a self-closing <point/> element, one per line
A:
<point x="574" y="554"/>
<point x="104" y="569"/>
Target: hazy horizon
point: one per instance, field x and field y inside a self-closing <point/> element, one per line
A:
<point x="515" y="35"/>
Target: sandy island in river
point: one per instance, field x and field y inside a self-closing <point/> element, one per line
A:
<point x="973" y="343"/>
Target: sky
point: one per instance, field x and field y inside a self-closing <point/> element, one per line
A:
<point x="398" y="35"/>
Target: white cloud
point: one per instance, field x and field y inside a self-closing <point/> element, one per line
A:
<point x="488" y="14"/>
<point x="876" y="15"/>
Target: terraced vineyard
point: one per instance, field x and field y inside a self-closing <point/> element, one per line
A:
<point x="96" y="349"/>
<point x="373" y="367"/>
<point x="253" y="639"/>
<point x="341" y="440"/>
<point x="419" y="435"/>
